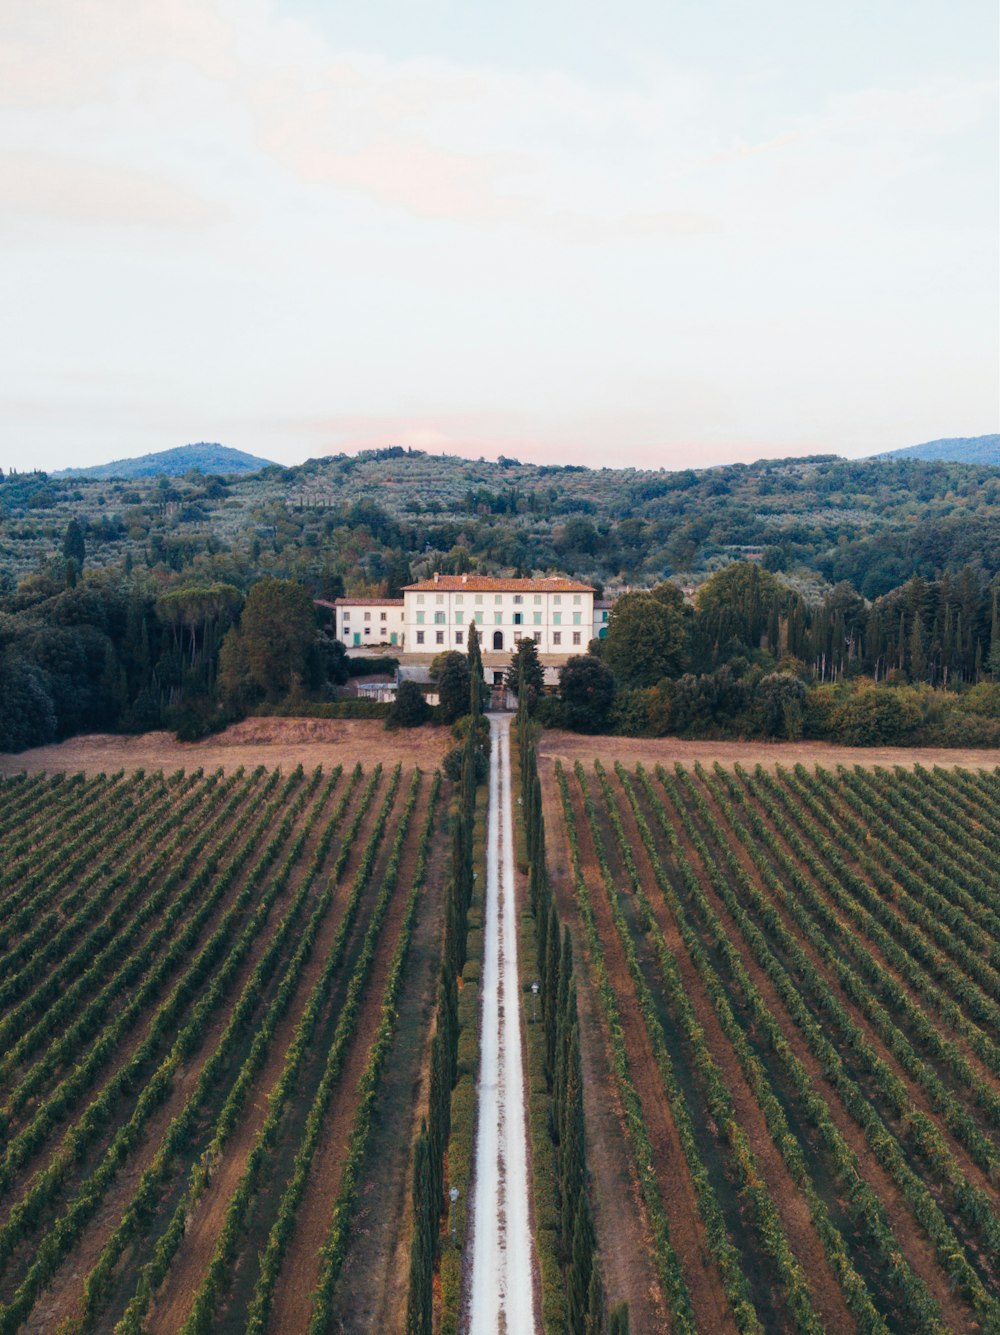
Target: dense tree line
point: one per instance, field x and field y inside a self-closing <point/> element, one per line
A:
<point x="751" y="657"/>
<point x="113" y="653"/>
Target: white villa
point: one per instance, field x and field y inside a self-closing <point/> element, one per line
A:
<point x="559" y="614"/>
<point x="368" y="622"/>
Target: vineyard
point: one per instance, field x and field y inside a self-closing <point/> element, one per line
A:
<point x="793" y="1011"/>
<point x="209" y="985"/>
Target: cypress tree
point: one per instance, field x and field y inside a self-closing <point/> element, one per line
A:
<point x="580" y="1267"/>
<point x="594" y="1324"/>
<point x="993" y="661"/>
<point x="475" y="673"/>
<point x="420" y="1301"/>
<point x="571" y="1142"/>
<point x="618" y="1320"/>
<point x="551" y="980"/>
<point x="918" y="651"/>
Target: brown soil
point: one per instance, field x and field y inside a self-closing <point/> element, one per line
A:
<point x="376" y="1270"/>
<point x="61" y="1299"/>
<point x="301" y="1265"/>
<point x="273" y="742"/>
<point x="625" y="1240"/>
<point x="911" y="1237"/>
<point x="46" y="836"/>
<point x="687" y="1230"/>
<point x="571" y="746"/>
<point x="132" y="1040"/>
<point x="190" y="1263"/>
<point x="876" y="953"/>
<point x="825" y="1290"/>
<point x="140" y="860"/>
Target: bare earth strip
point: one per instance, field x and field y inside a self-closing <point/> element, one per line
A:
<point x="276" y="743"/>
<point x="569" y="747"/>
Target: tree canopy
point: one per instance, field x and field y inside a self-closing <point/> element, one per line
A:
<point x="277" y="630"/>
<point x="646" y="639"/>
<point x="587" y="689"/>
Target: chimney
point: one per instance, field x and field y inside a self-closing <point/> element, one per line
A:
<point x="465" y="579"/>
<point x="436" y="576"/>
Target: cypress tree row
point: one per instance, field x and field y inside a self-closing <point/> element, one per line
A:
<point x="557" y="993"/>
<point x="428" y="1166"/>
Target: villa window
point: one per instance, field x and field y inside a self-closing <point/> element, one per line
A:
<point x="557" y="637"/>
<point x="368" y="616"/>
<point x="459" y="618"/>
<point x="479" y="618"/>
<point x="538" y="637"/>
<point x="439" y="597"/>
<point x="459" y="636"/>
<point x="420" y="597"/>
<point x="420" y="637"/>
<point x="498" y="618"/>
<point x="518" y="598"/>
<point x="420" y="618"/>
<point x="557" y="618"/>
<point x="439" y="637"/>
<point x="439" y="618"/>
<point x="538" y="618"/>
<point x="518" y="618"/>
<point x="576" y="637"/>
<point x="576" y="618"/>
<point x="576" y="600"/>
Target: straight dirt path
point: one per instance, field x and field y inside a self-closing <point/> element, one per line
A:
<point x="502" y="1270"/>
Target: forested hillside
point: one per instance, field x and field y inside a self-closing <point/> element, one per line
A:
<point x="953" y="449"/>
<point x="117" y="597"/>
<point x="203" y="458"/>
<point x="363" y="517"/>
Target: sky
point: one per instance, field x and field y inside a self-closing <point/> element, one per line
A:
<point x="660" y="233"/>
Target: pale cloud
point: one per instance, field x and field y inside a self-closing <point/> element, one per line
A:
<point x="65" y="190"/>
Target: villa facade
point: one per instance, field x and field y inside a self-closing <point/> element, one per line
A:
<point x="433" y="615"/>
<point x="557" y="613"/>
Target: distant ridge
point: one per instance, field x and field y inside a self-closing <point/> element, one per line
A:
<point x="205" y="457"/>
<point x="955" y="450"/>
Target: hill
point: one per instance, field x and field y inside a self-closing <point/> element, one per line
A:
<point x="954" y="450"/>
<point x="204" y="457"/>
<point x="373" y="521"/>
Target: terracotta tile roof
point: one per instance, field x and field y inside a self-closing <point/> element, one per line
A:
<point x="491" y="584"/>
<point x="605" y="603"/>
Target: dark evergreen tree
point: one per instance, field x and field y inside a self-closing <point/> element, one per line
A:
<point x="74" y="547"/>
<point x="525" y="676"/>
<point x="452" y="674"/>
